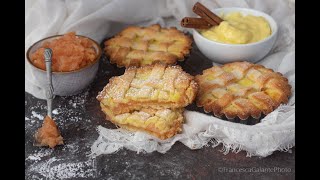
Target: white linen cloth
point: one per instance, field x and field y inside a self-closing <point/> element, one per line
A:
<point x="100" y="18"/>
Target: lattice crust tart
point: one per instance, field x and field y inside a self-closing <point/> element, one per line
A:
<point x="149" y="98"/>
<point x="138" y="46"/>
<point x="241" y="89"/>
<point x="162" y="123"/>
<point x="156" y="86"/>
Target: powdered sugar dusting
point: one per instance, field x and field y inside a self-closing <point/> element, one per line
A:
<point x="69" y="112"/>
<point x="74" y="105"/>
<point x="55" y="111"/>
<point x="72" y="170"/>
<point x="40" y="154"/>
<point x="33" y="158"/>
<point x="69" y="161"/>
<point x="54" y="168"/>
<point x="79" y="101"/>
<point x="39" y="116"/>
<point x="42" y="168"/>
<point x="73" y="148"/>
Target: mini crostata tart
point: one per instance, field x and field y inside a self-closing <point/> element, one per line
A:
<point x="157" y="86"/>
<point x="241" y="89"/>
<point x="162" y="123"/>
<point x="139" y="46"/>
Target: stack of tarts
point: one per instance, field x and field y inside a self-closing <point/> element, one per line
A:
<point x="149" y="98"/>
<point x="152" y="93"/>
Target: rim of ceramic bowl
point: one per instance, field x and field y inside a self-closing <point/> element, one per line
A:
<point x="66" y="72"/>
<point x="273" y="33"/>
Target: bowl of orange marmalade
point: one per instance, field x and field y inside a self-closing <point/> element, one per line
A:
<point x="75" y="62"/>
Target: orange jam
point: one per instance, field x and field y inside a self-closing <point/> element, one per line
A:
<point x="70" y="53"/>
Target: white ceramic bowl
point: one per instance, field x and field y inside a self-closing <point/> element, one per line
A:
<point x="225" y="53"/>
<point x="65" y="83"/>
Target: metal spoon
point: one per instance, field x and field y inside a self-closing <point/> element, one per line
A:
<point x="49" y="90"/>
<point x="49" y="94"/>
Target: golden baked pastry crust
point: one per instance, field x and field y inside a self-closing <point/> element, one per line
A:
<point x="163" y="123"/>
<point x="139" y="46"/>
<point x="156" y="86"/>
<point x="241" y="89"/>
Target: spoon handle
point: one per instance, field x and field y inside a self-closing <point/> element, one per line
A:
<point x="49" y="90"/>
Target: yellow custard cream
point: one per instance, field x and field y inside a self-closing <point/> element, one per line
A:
<point x="239" y="29"/>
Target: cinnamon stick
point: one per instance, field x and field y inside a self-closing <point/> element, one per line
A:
<point x="197" y="23"/>
<point x="206" y="14"/>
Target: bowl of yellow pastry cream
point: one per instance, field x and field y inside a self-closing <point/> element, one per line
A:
<point x="244" y="34"/>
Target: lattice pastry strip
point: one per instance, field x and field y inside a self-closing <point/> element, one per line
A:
<point x="241" y="89"/>
<point x="157" y="86"/>
<point x="162" y="123"/>
<point x="138" y="46"/>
